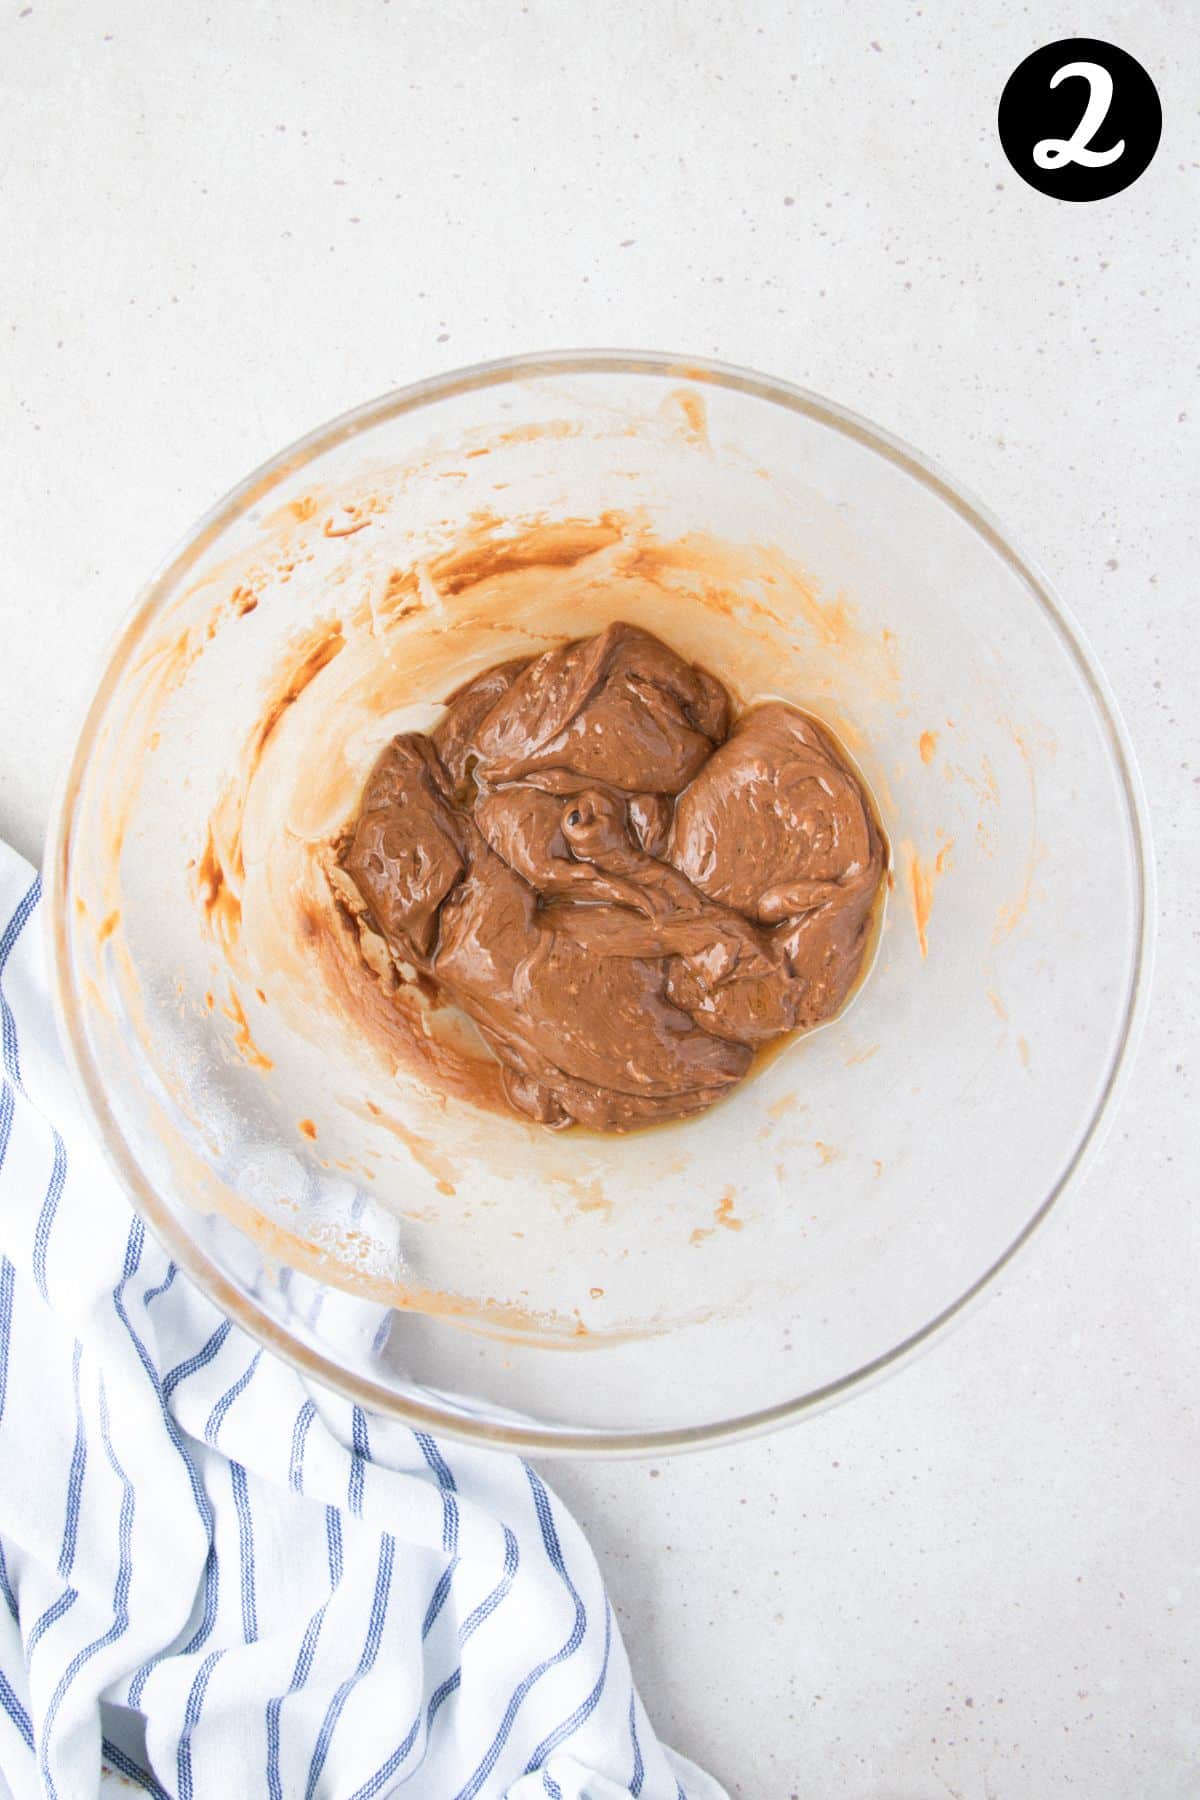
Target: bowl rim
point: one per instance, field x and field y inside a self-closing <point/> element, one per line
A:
<point x="546" y="1440"/>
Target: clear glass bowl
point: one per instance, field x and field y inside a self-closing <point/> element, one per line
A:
<point x="476" y="1274"/>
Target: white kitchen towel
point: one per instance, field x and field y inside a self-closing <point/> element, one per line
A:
<point x="218" y="1581"/>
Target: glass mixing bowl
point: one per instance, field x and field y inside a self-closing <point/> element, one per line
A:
<point x="477" y="1274"/>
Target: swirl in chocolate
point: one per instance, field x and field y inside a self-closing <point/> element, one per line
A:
<point x="626" y="891"/>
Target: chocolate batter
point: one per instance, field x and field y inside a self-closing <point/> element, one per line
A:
<point x="626" y="892"/>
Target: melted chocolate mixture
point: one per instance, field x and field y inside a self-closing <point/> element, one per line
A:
<point x="626" y="892"/>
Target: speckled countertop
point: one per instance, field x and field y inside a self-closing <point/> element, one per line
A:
<point x="222" y="225"/>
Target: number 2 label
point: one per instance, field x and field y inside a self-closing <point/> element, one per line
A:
<point x="1053" y="153"/>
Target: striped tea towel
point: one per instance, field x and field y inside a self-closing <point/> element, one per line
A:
<point x="218" y="1583"/>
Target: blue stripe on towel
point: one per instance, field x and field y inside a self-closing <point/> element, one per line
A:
<point x="241" y="1502"/>
<point x="366" y="1661"/>
<point x="120" y="1600"/>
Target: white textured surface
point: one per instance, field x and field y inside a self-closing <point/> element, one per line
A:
<point x="219" y="226"/>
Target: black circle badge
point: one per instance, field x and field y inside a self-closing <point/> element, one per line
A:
<point x="1079" y="119"/>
